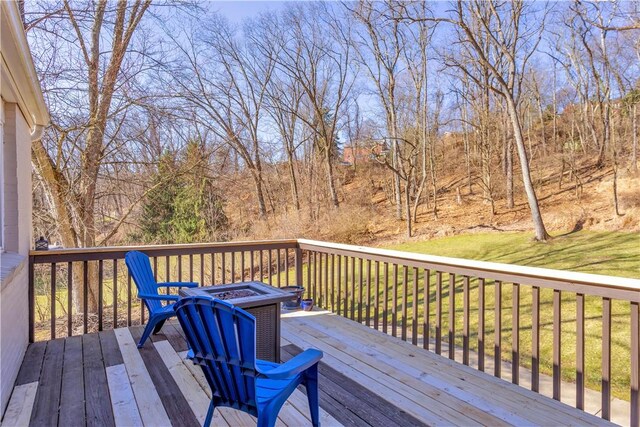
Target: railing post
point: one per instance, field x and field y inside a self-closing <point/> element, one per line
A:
<point x="32" y="298"/>
<point x="298" y="262"/>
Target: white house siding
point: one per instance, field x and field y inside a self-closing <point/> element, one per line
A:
<point x="17" y="236"/>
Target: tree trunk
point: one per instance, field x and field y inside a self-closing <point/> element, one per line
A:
<point x="509" y="161"/>
<point x="294" y="182"/>
<point x="634" y="148"/>
<point x="333" y="194"/>
<point x="536" y="216"/>
<point x="407" y="190"/>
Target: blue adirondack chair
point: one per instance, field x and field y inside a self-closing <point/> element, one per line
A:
<point x="140" y="268"/>
<point x="222" y="339"/>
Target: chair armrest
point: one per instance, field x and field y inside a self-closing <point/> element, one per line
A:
<point x="159" y="297"/>
<point x="178" y="284"/>
<point x="294" y="366"/>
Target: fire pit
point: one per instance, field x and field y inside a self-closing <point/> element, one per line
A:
<point x="259" y="299"/>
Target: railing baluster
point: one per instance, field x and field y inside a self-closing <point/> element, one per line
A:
<point x="481" y="322"/>
<point x="360" y="285"/>
<point x="405" y="286"/>
<point x="242" y="267"/>
<point x="85" y="296"/>
<point x="261" y="265"/>
<point x="223" y="266"/>
<point x="324" y="287"/>
<point x="213" y="268"/>
<point x="253" y="267"/>
<point x="321" y="296"/>
<point x="352" y="292"/>
<point x="557" y="350"/>
<point x="115" y="294"/>
<point x="233" y="267"/>
<point x="426" y="326"/>
<point x="376" y="303"/>
<point x="270" y="267"/>
<point x="100" y="296"/>
<point x="69" y="299"/>
<point x="279" y="260"/>
<point x="515" y="334"/>
<point x="452" y="316"/>
<point x="394" y="306"/>
<point x="339" y="299"/>
<point x="414" y="308"/>
<point x="286" y="267"/>
<point x="368" y="305"/>
<point x="167" y="269"/>
<point x="155" y="268"/>
<point x="535" y="339"/>
<point x="438" y="312"/>
<point x="580" y="351"/>
<point x="191" y="267"/>
<point x="346" y="287"/>
<point x="606" y="358"/>
<point x="497" y="330"/>
<point x="201" y="269"/>
<point x="325" y="298"/>
<point x="635" y="365"/>
<point x="333" y="282"/>
<point x="128" y="299"/>
<point x="179" y="269"/>
<point x="53" y="301"/>
<point x="385" y="298"/>
<point x="316" y="277"/>
<point x="465" y="320"/>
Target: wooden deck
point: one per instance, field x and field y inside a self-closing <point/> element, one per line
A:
<point x="366" y="378"/>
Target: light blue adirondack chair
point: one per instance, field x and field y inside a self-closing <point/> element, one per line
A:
<point x="140" y="268"/>
<point x="222" y="339"/>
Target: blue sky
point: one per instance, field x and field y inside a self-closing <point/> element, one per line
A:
<point x="238" y="10"/>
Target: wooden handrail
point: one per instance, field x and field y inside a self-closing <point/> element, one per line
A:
<point x="193" y="246"/>
<point x="590" y="284"/>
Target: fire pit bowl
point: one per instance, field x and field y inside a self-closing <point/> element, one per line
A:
<point x="260" y="300"/>
<point x="294" y="303"/>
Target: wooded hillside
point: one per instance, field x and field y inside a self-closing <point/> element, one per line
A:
<point x="171" y="123"/>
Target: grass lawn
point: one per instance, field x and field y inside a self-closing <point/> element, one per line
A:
<point x="609" y="253"/>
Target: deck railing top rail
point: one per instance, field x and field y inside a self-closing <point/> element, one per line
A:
<point x="110" y="252"/>
<point x="594" y="284"/>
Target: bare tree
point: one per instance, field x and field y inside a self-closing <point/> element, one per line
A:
<point x="225" y="82"/>
<point x="501" y="38"/>
<point x="91" y="112"/>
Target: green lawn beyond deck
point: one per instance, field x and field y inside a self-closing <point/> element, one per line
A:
<point x="608" y="253"/>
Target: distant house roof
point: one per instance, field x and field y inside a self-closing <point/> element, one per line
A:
<point x="20" y="83"/>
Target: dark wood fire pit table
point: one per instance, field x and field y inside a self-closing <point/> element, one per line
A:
<point x="259" y="299"/>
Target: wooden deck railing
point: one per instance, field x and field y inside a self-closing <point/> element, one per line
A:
<point x="545" y="320"/>
<point x="428" y="300"/>
<point x="92" y="285"/>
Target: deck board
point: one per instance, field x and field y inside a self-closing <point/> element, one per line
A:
<point x="96" y="393"/>
<point x="72" y="411"/>
<point x="366" y="378"/>
<point x="45" y="410"/>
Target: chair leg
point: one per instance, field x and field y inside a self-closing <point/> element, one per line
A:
<point x="207" y="420"/>
<point x="158" y="326"/>
<point x="267" y="417"/>
<point x="311" y="384"/>
<point x="146" y="333"/>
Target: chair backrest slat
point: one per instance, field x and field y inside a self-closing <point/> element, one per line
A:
<point x="140" y="268"/>
<point x="222" y="338"/>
